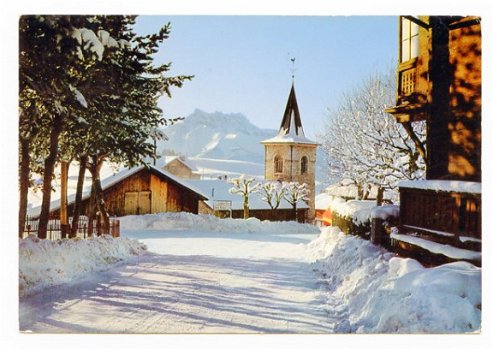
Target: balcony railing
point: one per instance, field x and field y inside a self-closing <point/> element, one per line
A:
<point x="407" y="82"/>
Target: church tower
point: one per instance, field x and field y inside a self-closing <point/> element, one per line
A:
<point x="290" y="156"/>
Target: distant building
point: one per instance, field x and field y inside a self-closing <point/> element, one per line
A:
<point x="181" y="167"/>
<point x="290" y="156"/>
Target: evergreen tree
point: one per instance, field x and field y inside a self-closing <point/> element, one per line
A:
<point x="93" y="97"/>
<point x="48" y="57"/>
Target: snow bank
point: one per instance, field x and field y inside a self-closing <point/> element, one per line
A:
<point x="386" y="294"/>
<point x="44" y="263"/>
<point x="443" y="185"/>
<point x="385" y="212"/>
<point x="358" y="210"/>
<point x="209" y="223"/>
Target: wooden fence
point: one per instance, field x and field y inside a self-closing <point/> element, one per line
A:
<point x="55" y="231"/>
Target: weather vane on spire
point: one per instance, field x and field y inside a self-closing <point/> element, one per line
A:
<point x="293" y="70"/>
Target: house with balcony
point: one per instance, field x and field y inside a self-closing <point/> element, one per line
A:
<point x="439" y="82"/>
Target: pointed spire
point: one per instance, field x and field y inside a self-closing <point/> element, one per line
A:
<point x="291" y="122"/>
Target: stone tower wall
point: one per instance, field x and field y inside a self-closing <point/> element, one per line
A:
<point x="291" y="154"/>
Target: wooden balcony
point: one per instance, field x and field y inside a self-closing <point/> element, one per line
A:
<point x="446" y="217"/>
<point x="411" y="104"/>
<point x="407" y="82"/>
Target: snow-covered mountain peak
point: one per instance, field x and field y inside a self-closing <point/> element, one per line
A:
<point x="216" y="135"/>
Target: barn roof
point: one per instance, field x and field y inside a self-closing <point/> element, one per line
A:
<point x="116" y="178"/>
<point x="184" y="160"/>
<point x="291" y="129"/>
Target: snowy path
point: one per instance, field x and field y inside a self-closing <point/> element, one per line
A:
<point x="192" y="283"/>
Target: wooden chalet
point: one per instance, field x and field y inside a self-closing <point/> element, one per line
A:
<point x="181" y="167"/>
<point x="143" y="190"/>
<point x="439" y="81"/>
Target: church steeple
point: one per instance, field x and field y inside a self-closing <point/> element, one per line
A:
<point x="291" y="121"/>
<point x="290" y="156"/>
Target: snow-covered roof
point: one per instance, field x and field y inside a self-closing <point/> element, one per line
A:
<point x="281" y="138"/>
<point x="347" y="189"/>
<point x="323" y="201"/>
<point x="219" y="190"/>
<point x="184" y="160"/>
<point x="443" y="185"/>
<point x="116" y="178"/>
<point x="437" y="248"/>
<point x="213" y="168"/>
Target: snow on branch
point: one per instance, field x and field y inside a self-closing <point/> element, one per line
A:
<point x="273" y="193"/>
<point x="364" y="144"/>
<point x="295" y="193"/>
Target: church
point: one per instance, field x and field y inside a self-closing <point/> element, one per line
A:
<point x="290" y="156"/>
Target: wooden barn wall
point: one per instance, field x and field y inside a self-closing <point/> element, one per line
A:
<point x="180" y="199"/>
<point x="159" y="194"/>
<point x="115" y="196"/>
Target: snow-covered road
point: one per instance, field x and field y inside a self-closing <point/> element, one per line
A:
<point x="192" y="282"/>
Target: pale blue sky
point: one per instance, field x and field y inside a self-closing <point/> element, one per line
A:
<point x="242" y="63"/>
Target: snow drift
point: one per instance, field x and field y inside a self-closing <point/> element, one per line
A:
<point x="386" y="294"/>
<point x="209" y="223"/>
<point x="44" y="263"/>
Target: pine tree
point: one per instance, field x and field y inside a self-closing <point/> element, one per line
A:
<point x="48" y="57"/>
<point x="94" y="98"/>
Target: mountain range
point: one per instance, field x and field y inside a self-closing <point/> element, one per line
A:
<point x="216" y="135"/>
<point x="222" y="136"/>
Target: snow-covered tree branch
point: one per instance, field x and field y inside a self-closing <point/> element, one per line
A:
<point x="295" y="193"/>
<point x="272" y="193"/>
<point x="366" y="145"/>
<point x="244" y="186"/>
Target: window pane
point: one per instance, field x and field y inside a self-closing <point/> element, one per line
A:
<point x="405" y="51"/>
<point x="405" y="29"/>
<point x="414" y="29"/>
<point x="414" y="47"/>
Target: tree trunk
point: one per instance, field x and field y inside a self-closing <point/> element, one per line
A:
<point x="49" y="166"/>
<point x="379" y="196"/>
<point x="246" y="208"/>
<point x="101" y="207"/>
<point x="360" y="191"/>
<point x="97" y="204"/>
<point x="23" y="183"/>
<point x="295" y="209"/>
<point x="78" y="196"/>
<point x="65" y="228"/>
<point x="91" y="210"/>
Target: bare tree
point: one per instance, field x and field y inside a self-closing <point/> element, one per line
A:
<point x="295" y="193"/>
<point x="272" y="193"/>
<point x="366" y="145"/>
<point x="244" y="186"/>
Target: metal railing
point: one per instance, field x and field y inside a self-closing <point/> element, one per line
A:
<point x="56" y="230"/>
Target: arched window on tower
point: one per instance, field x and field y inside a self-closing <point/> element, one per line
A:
<point x="304" y="165"/>
<point x="277" y="164"/>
